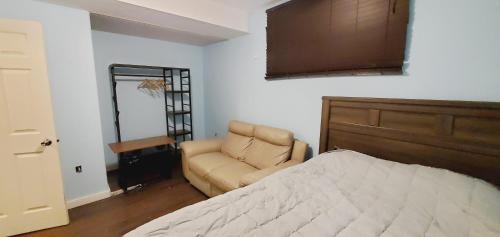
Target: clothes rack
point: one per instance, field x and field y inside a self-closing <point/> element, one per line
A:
<point x="179" y="117"/>
<point x="138" y="159"/>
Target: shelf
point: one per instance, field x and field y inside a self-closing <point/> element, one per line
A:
<point x="139" y="144"/>
<point x="135" y="75"/>
<point x="185" y="124"/>
<point x="119" y="65"/>
<point x="180" y="132"/>
<point x="179" y="112"/>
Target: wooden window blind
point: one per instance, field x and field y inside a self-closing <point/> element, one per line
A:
<point x="336" y="36"/>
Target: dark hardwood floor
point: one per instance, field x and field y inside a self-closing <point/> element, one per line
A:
<point x="120" y="214"/>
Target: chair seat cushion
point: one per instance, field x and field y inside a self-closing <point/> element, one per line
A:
<point x="228" y="176"/>
<point x="204" y="164"/>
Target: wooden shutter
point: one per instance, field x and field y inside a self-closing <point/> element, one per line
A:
<point x="328" y="36"/>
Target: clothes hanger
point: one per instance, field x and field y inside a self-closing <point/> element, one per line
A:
<point x="154" y="87"/>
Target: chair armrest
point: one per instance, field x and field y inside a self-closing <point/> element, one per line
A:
<point x="260" y="174"/>
<point x="193" y="148"/>
<point x="299" y="151"/>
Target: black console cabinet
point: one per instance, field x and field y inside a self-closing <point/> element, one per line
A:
<point x="144" y="159"/>
<point x="141" y="166"/>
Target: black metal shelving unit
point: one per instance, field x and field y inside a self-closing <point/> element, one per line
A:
<point x="178" y="106"/>
<point x="182" y="111"/>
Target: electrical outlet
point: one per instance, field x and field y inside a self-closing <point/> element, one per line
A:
<point x="78" y="169"/>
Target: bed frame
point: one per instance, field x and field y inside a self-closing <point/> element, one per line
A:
<point x="456" y="135"/>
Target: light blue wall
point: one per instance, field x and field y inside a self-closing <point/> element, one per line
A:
<point x="453" y="54"/>
<point x="70" y="60"/>
<point x="142" y="115"/>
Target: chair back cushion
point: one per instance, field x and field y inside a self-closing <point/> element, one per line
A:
<point x="272" y="146"/>
<point x="238" y="139"/>
<point x="241" y="128"/>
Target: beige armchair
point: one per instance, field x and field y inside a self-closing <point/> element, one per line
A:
<point x="247" y="154"/>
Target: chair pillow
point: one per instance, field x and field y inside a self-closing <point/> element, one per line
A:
<point x="274" y="136"/>
<point x="241" y="128"/>
<point x="235" y="145"/>
<point x="263" y="155"/>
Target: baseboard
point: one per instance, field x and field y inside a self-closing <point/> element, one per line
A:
<point x="120" y="191"/>
<point x="87" y="199"/>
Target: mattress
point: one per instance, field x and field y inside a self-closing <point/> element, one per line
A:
<point x="344" y="193"/>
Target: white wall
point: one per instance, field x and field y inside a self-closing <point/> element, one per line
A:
<point x="453" y="54"/>
<point x="148" y="119"/>
<point x="70" y="60"/>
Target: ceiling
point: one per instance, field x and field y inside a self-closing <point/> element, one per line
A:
<point x="197" y="22"/>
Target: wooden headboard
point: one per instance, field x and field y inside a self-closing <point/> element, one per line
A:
<point x="455" y="135"/>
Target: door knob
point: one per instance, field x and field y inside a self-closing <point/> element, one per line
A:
<point x="46" y="142"/>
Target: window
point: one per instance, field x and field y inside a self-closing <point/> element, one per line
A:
<point x="336" y="36"/>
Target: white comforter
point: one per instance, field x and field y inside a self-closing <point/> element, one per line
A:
<point x="344" y="194"/>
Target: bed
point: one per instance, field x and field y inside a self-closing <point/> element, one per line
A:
<point x="436" y="174"/>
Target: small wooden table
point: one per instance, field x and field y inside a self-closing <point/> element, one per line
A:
<point x="140" y="144"/>
<point x="134" y="165"/>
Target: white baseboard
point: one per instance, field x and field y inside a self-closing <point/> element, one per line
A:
<point x="87" y="199"/>
<point x="120" y="191"/>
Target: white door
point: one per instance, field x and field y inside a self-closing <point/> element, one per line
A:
<point x="31" y="188"/>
